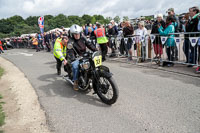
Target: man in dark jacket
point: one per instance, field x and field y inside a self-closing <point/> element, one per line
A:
<point x="80" y="44"/>
<point x="192" y="26"/>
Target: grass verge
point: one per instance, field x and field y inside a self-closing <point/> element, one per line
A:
<point x="2" y="114"/>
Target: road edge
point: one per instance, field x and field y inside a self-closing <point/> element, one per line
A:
<point x="30" y="114"/>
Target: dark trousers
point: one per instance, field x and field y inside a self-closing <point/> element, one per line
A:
<point x="143" y="53"/>
<point x="186" y="49"/>
<point x="104" y="50"/>
<point x="123" y="48"/>
<point x="37" y="48"/>
<point x="48" y="47"/>
<point x="190" y="52"/>
<point x="176" y="52"/>
<point x="40" y="44"/>
<point x="171" y="53"/>
<point x="1" y="51"/>
<point x="193" y="54"/>
<point x="59" y="64"/>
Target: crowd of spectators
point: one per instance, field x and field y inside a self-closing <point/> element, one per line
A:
<point x="120" y="37"/>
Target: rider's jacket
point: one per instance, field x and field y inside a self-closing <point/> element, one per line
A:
<point x="79" y="47"/>
<point x="59" y="50"/>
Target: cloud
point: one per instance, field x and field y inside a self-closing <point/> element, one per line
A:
<point x="111" y="8"/>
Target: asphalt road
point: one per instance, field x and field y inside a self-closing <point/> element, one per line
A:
<point x="150" y="100"/>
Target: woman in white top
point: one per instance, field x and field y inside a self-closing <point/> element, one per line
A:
<point x="141" y="33"/>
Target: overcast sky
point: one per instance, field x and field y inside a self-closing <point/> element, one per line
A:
<point x="130" y="8"/>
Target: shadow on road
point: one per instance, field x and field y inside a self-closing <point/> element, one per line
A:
<point x="56" y="86"/>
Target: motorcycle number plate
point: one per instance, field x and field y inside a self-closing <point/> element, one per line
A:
<point x="97" y="61"/>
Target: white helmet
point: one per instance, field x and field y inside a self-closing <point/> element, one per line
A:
<point x="75" y="29"/>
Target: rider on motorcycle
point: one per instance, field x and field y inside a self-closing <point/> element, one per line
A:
<point x="80" y="44"/>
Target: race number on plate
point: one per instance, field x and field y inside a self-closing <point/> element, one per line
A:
<point x="97" y="61"/>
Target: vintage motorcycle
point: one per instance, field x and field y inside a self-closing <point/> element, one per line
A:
<point x="93" y="75"/>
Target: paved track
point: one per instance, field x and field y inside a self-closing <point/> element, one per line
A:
<point x="150" y="100"/>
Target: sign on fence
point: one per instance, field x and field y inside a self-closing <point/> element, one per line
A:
<point x="133" y="38"/>
<point x="163" y="39"/>
<point x="177" y="40"/>
<point x="193" y="41"/>
<point x="152" y="38"/>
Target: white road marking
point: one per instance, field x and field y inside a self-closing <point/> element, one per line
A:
<point x="26" y="54"/>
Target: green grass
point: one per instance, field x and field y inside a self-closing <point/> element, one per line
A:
<point x="1" y="72"/>
<point x="2" y="114"/>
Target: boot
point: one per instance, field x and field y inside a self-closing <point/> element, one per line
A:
<point x="76" y="85"/>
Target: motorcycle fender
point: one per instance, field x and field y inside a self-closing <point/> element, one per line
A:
<point x="106" y="74"/>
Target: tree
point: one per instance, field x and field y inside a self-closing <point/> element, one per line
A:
<point x="32" y="20"/>
<point x="6" y="26"/>
<point x="74" y="20"/>
<point x="107" y="20"/>
<point x="15" y="20"/>
<point x="117" y="19"/>
<point x="125" y="18"/>
<point x="16" y="25"/>
<point x="93" y="20"/>
<point x="99" y="17"/>
<point x="87" y="18"/>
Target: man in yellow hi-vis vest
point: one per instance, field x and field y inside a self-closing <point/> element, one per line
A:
<point x="101" y="40"/>
<point x="60" y="51"/>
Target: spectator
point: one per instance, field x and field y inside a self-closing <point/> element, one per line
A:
<point x="192" y="26"/>
<point x="170" y="43"/>
<point x="40" y="40"/>
<point x="141" y="33"/>
<point x="1" y="48"/>
<point x="128" y="31"/>
<point x="92" y="36"/>
<point x="182" y="23"/>
<point x="114" y="25"/>
<point x="123" y="47"/>
<point x="157" y="44"/>
<point x="35" y="43"/>
<point x="177" y="27"/>
<point x="112" y="34"/>
<point x="53" y="38"/>
<point x="198" y="68"/>
<point x="90" y="33"/>
<point x="4" y="45"/>
<point x="46" y="40"/>
<point x="94" y="27"/>
<point x="101" y="40"/>
<point x="84" y="30"/>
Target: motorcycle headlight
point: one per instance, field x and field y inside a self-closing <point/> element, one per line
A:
<point x="86" y="65"/>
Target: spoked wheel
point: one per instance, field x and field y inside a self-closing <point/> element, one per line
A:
<point x="107" y="90"/>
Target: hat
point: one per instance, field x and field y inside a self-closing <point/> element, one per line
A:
<point x="98" y="24"/>
<point x="160" y="15"/>
<point x="170" y="10"/>
<point x="141" y="23"/>
<point x="112" y="21"/>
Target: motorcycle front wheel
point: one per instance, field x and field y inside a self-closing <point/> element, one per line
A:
<point x="107" y="90"/>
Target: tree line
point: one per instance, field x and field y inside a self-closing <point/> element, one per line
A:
<point x="16" y="25"/>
